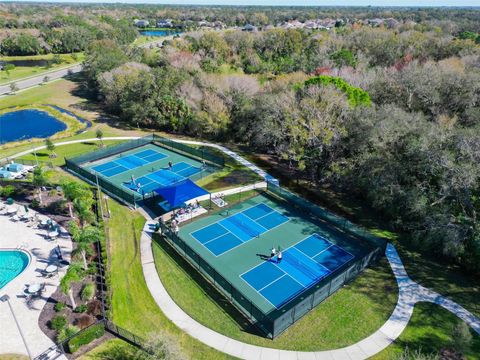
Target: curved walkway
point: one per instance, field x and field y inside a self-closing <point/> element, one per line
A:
<point x="409" y="294"/>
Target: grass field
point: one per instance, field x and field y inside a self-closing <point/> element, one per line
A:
<point x="132" y="305"/>
<point x="21" y="72"/>
<point x="430" y="330"/>
<point x="67" y="151"/>
<point x="349" y="315"/>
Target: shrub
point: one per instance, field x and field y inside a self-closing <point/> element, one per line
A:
<point x="94" y="308"/>
<point x="84" y="321"/>
<point x="462" y="337"/>
<point x="59" y="306"/>
<point x="57" y="207"/>
<point x="58" y="322"/>
<point x="67" y="332"/>
<point x="35" y="204"/>
<point x="86" y="337"/>
<point x="80" y="308"/>
<point x="87" y="292"/>
<point x="8" y="191"/>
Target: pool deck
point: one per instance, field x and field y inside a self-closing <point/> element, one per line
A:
<point x="16" y="235"/>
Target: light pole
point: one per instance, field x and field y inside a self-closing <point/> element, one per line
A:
<point x="6" y="298"/>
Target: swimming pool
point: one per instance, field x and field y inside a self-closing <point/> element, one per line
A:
<point x="27" y="124"/>
<point x="12" y="263"/>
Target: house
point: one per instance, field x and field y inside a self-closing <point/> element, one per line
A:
<point x="391" y="23"/>
<point x="141" y="23"/>
<point x="250" y="28"/>
<point x="165" y="23"/>
<point x="375" y="22"/>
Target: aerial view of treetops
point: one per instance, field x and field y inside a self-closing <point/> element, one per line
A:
<point x="371" y="112"/>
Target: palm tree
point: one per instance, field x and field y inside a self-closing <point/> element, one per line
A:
<point x="84" y="238"/>
<point x="38" y="181"/>
<point x="73" y="190"/>
<point x="73" y="275"/>
<point x="83" y="208"/>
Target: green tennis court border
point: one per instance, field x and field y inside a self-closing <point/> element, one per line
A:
<point x="81" y="166"/>
<point x="223" y="271"/>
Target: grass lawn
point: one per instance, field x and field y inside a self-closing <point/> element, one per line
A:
<point x="21" y="72"/>
<point x="68" y="151"/>
<point x="132" y="305"/>
<point x="349" y="315"/>
<point x="114" y="349"/>
<point x="429" y="330"/>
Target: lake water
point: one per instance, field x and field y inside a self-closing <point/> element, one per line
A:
<point x="22" y="63"/>
<point x="27" y="124"/>
<point x="159" y="32"/>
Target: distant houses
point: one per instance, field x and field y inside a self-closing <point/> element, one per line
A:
<point x="311" y="24"/>
<point x="165" y="23"/>
<point x="141" y="23"/>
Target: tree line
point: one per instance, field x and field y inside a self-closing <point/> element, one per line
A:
<point x="412" y="151"/>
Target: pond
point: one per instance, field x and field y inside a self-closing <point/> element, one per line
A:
<point x="159" y="32"/>
<point x="22" y="63"/>
<point x="27" y="124"/>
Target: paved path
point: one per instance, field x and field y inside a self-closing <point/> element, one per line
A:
<point x="29" y="82"/>
<point x="409" y="294"/>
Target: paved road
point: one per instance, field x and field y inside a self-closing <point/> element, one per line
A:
<point x="36" y="80"/>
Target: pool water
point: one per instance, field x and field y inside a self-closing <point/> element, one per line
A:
<point x="159" y="32"/>
<point x="27" y="124"/>
<point x="12" y="263"/>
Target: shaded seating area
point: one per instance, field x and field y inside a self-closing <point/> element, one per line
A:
<point x="179" y="200"/>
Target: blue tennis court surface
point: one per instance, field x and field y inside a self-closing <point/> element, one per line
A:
<point x="303" y="265"/>
<point x="129" y="162"/>
<point x="234" y="230"/>
<point x="163" y="177"/>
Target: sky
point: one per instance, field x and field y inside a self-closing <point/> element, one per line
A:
<point x="294" y="2"/>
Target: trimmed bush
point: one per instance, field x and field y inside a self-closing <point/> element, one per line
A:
<point x="58" y="322"/>
<point x="67" y="332"/>
<point x="86" y="337"/>
<point x="59" y="306"/>
<point x="80" y="308"/>
<point x="87" y="292"/>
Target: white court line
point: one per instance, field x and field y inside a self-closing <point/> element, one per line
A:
<point x="271" y="282"/>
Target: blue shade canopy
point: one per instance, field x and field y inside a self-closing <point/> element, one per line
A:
<point x="181" y="192"/>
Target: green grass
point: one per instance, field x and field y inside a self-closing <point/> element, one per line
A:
<point x="349" y="315"/>
<point x="21" y="72"/>
<point x="114" y="349"/>
<point x="430" y="330"/>
<point x="67" y="151"/>
<point x="132" y="305"/>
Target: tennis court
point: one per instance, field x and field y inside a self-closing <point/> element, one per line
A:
<point x="238" y="245"/>
<point x="149" y="167"/>
<point x="302" y="266"/>
<point x="129" y="162"/>
<point x="237" y="229"/>
<point x="163" y="177"/>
